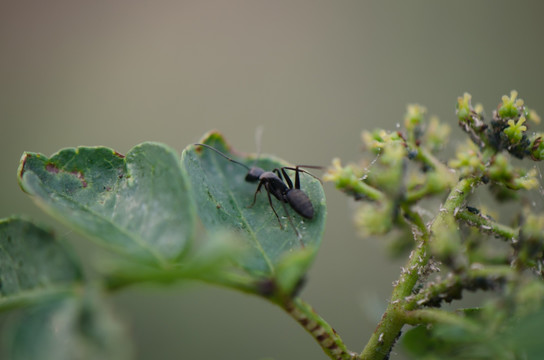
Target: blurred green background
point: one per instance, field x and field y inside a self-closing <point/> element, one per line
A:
<point x="312" y="73"/>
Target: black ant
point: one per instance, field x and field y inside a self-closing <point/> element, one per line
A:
<point x="279" y="184"/>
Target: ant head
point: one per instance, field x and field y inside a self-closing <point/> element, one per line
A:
<point x="253" y="174"/>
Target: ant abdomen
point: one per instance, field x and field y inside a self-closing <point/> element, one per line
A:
<point x="300" y="202"/>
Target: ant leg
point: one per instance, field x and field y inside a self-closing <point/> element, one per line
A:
<point x="256" y="192"/>
<point x="285" y="176"/>
<point x="290" y="184"/>
<point x="272" y="206"/>
<point x="288" y="179"/>
<point x="293" y="225"/>
<point x="298" y="169"/>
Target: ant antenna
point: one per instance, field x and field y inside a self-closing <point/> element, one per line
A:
<point x="223" y="155"/>
<point x="258" y="139"/>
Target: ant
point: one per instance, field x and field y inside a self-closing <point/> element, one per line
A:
<point x="279" y="184"/>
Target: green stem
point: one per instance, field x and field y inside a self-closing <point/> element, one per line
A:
<point x="453" y="203"/>
<point x="486" y="224"/>
<point x="429" y="159"/>
<point x="318" y="328"/>
<point x="385" y="335"/>
<point x="435" y="316"/>
<point x="412" y="196"/>
<point x="394" y="318"/>
<point x="453" y="285"/>
<point x="128" y="276"/>
<point x="446" y="176"/>
<point x="36" y="296"/>
<point x="363" y="189"/>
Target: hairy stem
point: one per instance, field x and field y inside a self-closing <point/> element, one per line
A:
<point x="394" y="318"/>
<point x="433" y="316"/>
<point x="385" y="335"/>
<point x="477" y="277"/>
<point x="318" y="328"/>
<point x="487" y="225"/>
<point x="427" y="158"/>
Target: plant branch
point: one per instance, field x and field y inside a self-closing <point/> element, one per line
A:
<point x="477" y="277"/>
<point x="434" y="316"/>
<point x="385" y="335"/>
<point x="486" y="225"/>
<point x="123" y="277"/>
<point x="387" y="331"/>
<point x="318" y="328"/>
<point x="429" y="159"/>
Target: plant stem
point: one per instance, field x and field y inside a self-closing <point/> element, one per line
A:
<point x="454" y="284"/>
<point x="486" y="224"/>
<point x="318" y="328"/>
<point x="123" y="277"/>
<point x="37" y="296"/>
<point x="427" y="158"/>
<point x="432" y="316"/>
<point x="394" y="318"/>
<point x="385" y="335"/>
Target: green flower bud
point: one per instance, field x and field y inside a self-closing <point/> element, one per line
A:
<point x="515" y="130"/>
<point x="467" y="160"/>
<point x="437" y="134"/>
<point x="502" y="171"/>
<point x="374" y="218"/>
<point x="509" y="108"/>
<point x="378" y="139"/>
<point x="531" y="115"/>
<point x="415" y="115"/>
<point x="464" y="107"/>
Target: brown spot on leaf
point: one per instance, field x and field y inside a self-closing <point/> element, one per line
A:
<point x="119" y="155"/>
<point x="22" y="168"/>
<point x="52" y="168"/>
<point x="81" y="177"/>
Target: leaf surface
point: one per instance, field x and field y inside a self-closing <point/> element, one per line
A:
<point x="33" y="264"/>
<point x="224" y="200"/>
<point x="139" y="205"/>
<point x="67" y="329"/>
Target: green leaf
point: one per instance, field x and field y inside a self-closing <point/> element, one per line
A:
<point x="526" y="335"/>
<point x="452" y="342"/>
<point x="290" y="268"/>
<point x="224" y="198"/>
<point x="67" y="329"/>
<point x="33" y="264"/>
<point x="139" y="205"/>
<point x="420" y="343"/>
<point x="211" y="262"/>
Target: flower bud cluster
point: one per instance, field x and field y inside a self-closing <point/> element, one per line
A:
<point x="508" y="129"/>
